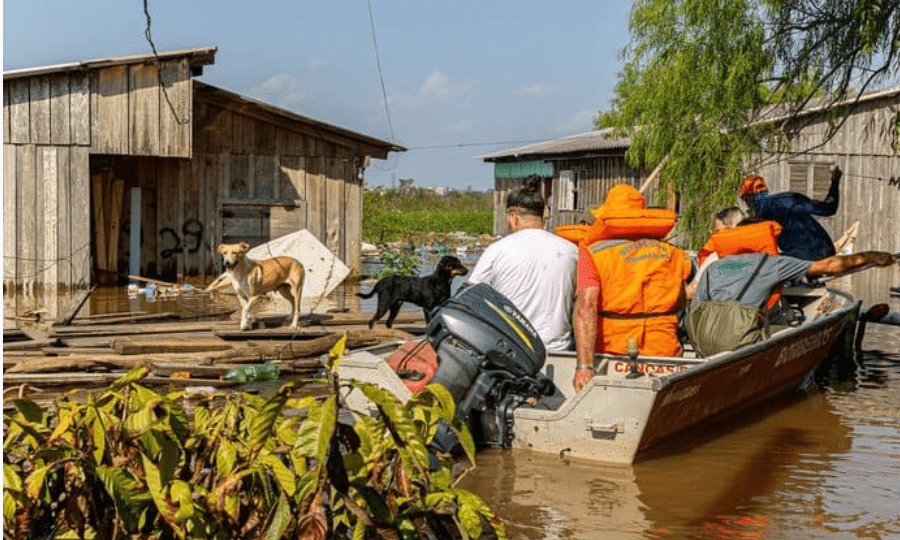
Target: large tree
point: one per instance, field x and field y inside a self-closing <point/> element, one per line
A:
<point x="699" y="73"/>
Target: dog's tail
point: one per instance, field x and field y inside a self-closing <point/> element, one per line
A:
<point x="366" y="295"/>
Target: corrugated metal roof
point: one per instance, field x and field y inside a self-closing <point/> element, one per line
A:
<point x="602" y="139"/>
<point x="200" y="56"/>
<point x="597" y="140"/>
<point x="779" y="113"/>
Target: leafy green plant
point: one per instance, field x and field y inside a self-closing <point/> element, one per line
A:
<point x="130" y="462"/>
<point x="397" y="262"/>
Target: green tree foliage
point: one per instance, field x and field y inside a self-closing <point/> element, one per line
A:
<point x="392" y="215"/>
<point x="698" y="73"/>
<point x="130" y="463"/>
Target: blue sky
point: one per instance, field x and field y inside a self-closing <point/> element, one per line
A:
<point x="457" y="74"/>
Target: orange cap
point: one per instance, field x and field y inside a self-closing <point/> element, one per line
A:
<point x="620" y="197"/>
<point x="752" y="184"/>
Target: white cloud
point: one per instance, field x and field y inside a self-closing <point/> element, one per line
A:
<point x="537" y="90"/>
<point x="283" y="90"/>
<point x="317" y="62"/>
<point x="462" y="126"/>
<point x="580" y="122"/>
<point x="438" y="87"/>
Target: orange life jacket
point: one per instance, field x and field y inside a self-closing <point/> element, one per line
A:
<point x="641" y="292"/>
<point x="760" y="237"/>
<point x="621" y="223"/>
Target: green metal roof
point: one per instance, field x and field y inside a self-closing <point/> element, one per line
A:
<point x="521" y="169"/>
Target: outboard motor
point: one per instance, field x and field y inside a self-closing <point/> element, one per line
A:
<point x="490" y="360"/>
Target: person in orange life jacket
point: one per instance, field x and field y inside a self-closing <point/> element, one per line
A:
<point x="802" y="236"/>
<point x="630" y="284"/>
<point x="725" y="278"/>
<point x="723" y="219"/>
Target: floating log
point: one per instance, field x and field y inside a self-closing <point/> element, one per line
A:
<point x="335" y="319"/>
<point x="132" y="329"/>
<point x="75" y="363"/>
<point x="14" y="334"/>
<point x="33" y="345"/>
<point x="102" y="316"/>
<point x="163" y="344"/>
<point x="272" y="333"/>
<point x="68" y="350"/>
<point x="128" y="319"/>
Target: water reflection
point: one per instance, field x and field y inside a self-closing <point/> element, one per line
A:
<point x="709" y="484"/>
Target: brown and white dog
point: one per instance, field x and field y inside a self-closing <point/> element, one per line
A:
<point x="252" y="279"/>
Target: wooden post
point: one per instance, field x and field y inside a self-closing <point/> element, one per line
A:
<point x="134" y="246"/>
<point x="99" y="220"/>
<point x="115" y="219"/>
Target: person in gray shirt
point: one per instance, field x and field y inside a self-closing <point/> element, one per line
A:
<point x="724" y="279"/>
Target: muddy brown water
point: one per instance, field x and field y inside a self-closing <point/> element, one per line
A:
<point x="822" y="465"/>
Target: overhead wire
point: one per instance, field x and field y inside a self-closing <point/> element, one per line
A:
<point x="387" y="111"/>
<point x="149" y="37"/>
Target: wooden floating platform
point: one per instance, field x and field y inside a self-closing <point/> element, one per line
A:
<point x="181" y="350"/>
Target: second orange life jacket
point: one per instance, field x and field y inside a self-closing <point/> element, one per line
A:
<point x="641" y="284"/>
<point x="761" y="237"/>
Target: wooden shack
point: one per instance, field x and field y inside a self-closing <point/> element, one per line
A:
<point x="863" y="147"/>
<point x="128" y="166"/>
<point x="577" y="172"/>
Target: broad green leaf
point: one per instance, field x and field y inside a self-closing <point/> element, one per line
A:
<point x="448" y="405"/>
<point x="359" y="531"/>
<point x="134" y="375"/>
<point x="470" y="519"/>
<point x="465" y="438"/>
<point x="65" y="422"/>
<point x="137" y="423"/>
<point x="35" y="481"/>
<point x="9" y="510"/>
<point x="11" y="478"/>
<point x="316" y="432"/>
<point x="128" y="494"/>
<point x="29" y="410"/>
<point x="226" y="457"/>
<point x="281" y="518"/>
<point x="180" y="493"/>
<point x="283" y="475"/>
<point x="168" y="456"/>
<point x="98" y="431"/>
<point x="156" y="488"/>
<point x="375" y="503"/>
<point x="232" y="506"/>
<point x="261" y="428"/>
<point x="336" y="353"/>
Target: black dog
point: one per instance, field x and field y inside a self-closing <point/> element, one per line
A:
<point x="427" y="292"/>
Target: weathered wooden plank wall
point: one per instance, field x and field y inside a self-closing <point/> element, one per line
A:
<point x="131" y="114"/>
<point x="594" y="177"/>
<point x="862" y="149"/>
<point x="52" y="123"/>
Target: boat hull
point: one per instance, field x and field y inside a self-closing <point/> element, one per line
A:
<point x="619" y="415"/>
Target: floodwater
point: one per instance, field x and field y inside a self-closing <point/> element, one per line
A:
<point x="825" y="464"/>
<point x="821" y="465"/>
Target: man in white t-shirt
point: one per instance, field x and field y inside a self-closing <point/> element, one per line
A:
<point x="533" y="267"/>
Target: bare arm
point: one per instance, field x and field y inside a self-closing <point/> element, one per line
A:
<point x="839" y="264"/>
<point x="584" y="324"/>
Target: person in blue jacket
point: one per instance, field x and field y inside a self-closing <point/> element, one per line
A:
<point x="802" y="237"/>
